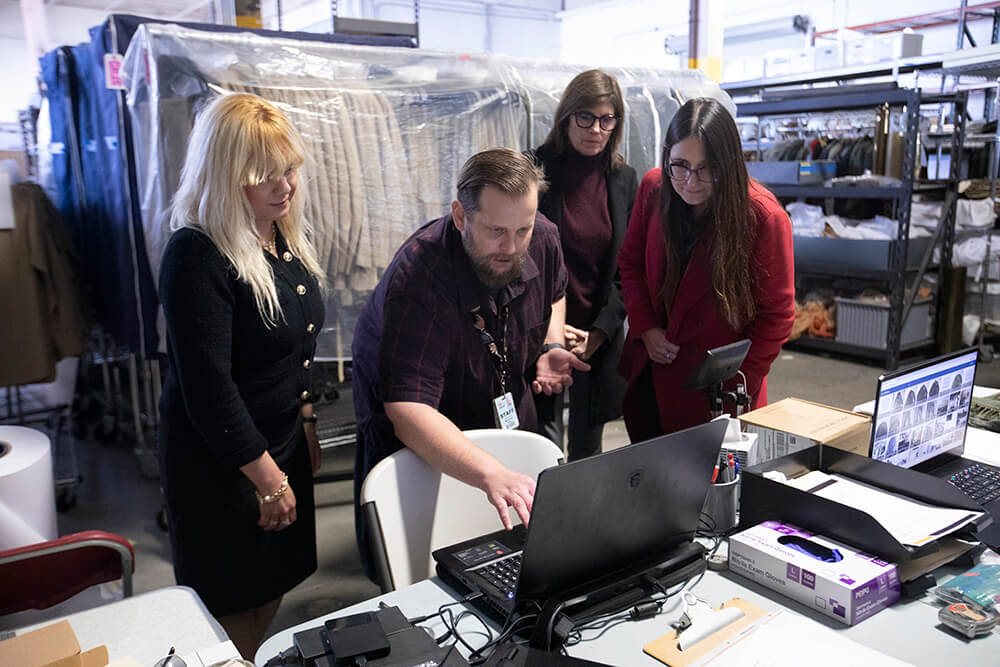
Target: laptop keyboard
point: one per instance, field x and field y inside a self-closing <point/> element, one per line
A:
<point x="503" y="574"/>
<point x="980" y="483"/>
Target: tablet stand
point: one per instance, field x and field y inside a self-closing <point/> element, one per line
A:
<point x="721" y="364"/>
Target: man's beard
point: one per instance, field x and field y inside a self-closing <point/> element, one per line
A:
<point x="486" y="275"/>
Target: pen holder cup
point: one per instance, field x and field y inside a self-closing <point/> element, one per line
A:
<point x="721" y="506"/>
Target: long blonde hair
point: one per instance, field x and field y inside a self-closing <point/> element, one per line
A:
<point x="240" y="140"/>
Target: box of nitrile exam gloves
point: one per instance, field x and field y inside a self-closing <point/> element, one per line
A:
<point x="831" y="577"/>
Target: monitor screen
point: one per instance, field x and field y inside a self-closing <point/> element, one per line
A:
<point x="921" y="412"/>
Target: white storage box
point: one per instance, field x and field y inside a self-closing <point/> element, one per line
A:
<point x="868" y="50"/>
<point x="778" y="63"/>
<point x="802" y="60"/>
<point x="829" y="55"/>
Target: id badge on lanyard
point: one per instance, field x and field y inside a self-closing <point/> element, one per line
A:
<point x="505" y="412"/>
<point x="504" y="409"/>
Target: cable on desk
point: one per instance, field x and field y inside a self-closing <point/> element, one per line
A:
<point x="512" y="626"/>
<point x="640" y="611"/>
<point x="451" y="623"/>
<point x="468" y="598"/>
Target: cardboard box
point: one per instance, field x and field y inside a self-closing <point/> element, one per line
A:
<point x="778" y="62"/>
<point x="867" y="50"/>
<point x="802" y="60"/>
<point x="51" y="646"/>
<point x="793" y="424"/>
<point x="829" y="55"/>
<point x="831" y="577"/>
<point x="907" y="44"/>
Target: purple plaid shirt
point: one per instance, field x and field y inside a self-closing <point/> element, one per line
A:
<point x="416" y="340"/>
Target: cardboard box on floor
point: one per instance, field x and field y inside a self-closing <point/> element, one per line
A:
<point x="793" y="424"/>
<point x="52" y="646"/>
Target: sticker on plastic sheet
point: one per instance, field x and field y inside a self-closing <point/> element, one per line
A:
<point x="113" y="71"/>
<point x="505" y="413"/>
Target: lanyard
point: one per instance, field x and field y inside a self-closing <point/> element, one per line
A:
<point x="498" y="354"/>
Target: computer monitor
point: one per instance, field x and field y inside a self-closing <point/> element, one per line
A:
<point x="923" y="411"/>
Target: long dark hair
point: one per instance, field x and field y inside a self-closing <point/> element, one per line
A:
<point x="729" y="209"/>
<point x="586" y="90"/>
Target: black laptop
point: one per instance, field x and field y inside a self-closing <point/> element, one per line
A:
<point x="591" y="518"/>
<point x="920" y="420"/>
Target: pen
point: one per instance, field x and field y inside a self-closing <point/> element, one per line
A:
<point x="715" y="474"/>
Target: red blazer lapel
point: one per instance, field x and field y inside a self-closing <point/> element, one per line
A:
<point x="694" y="290"/>
<point x="656" y="268"/>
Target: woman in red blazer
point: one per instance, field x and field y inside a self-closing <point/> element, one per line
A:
<point x="707" y="260"/>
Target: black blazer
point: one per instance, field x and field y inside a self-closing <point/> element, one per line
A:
<point x="234" y="386"/>
<point x="622" y="183"/>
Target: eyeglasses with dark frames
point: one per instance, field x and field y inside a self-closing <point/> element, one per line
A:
<point x="679" y="171"/>
<point x="585" y="120"/>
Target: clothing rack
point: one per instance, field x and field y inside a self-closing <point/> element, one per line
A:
<point x="86" y="151"/>
<point x="387" y="130"/>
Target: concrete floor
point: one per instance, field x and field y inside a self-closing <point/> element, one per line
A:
<point x="114" y="496"/>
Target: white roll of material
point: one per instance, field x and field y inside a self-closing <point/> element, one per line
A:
<point x="27" y="489"/>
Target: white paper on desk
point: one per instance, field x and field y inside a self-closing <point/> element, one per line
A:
<point x="783" y="639"/>
<point x="909" y="521"/>
<point x="982" y="445"/>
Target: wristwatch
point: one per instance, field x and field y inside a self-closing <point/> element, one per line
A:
<point x="549" y="346"/>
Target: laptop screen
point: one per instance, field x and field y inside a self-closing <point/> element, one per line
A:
<point x="922" y="411"/>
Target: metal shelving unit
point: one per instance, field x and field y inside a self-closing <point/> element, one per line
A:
<point x="899" y="274"/>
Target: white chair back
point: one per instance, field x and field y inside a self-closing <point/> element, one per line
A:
<point x="420" y="510"/>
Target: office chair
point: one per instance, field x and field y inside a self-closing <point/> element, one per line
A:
<point x="413" y="509"/>
<point x="41" y="575"/>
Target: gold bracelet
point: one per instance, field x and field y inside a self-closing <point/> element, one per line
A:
<point x="274" y="497"/>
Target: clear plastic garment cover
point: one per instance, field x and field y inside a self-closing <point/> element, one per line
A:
<point x="387" y="131"/>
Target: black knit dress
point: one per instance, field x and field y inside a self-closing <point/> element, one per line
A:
<point x="234" y="388"/>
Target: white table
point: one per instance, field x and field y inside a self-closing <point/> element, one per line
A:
<point x="908" y="631"/>
<point x="145" y="626"/>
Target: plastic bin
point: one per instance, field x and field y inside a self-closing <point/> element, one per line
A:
<point x="794" y="172"/>
<point x="865" y="254"/>
<point x="866" y="324"/>
<point x="973" y="298"/>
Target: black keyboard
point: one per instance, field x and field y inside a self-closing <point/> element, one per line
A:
<point x="980" y="483"/>
<point x="503" y="574"/>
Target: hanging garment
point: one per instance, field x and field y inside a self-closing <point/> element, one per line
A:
<point x="39" y="283"/>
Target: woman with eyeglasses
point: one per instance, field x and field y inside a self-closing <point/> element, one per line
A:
<point x="707" y="261"/>
<point x="590" y="196"/>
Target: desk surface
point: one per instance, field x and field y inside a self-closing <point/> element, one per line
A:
<point x="908" y="631"/>
<point x="146" y="626"/>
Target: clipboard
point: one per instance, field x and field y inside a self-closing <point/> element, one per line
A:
<point x="666" y="650"/>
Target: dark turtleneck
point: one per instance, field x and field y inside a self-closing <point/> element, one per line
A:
<point x="585" y="230"/>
